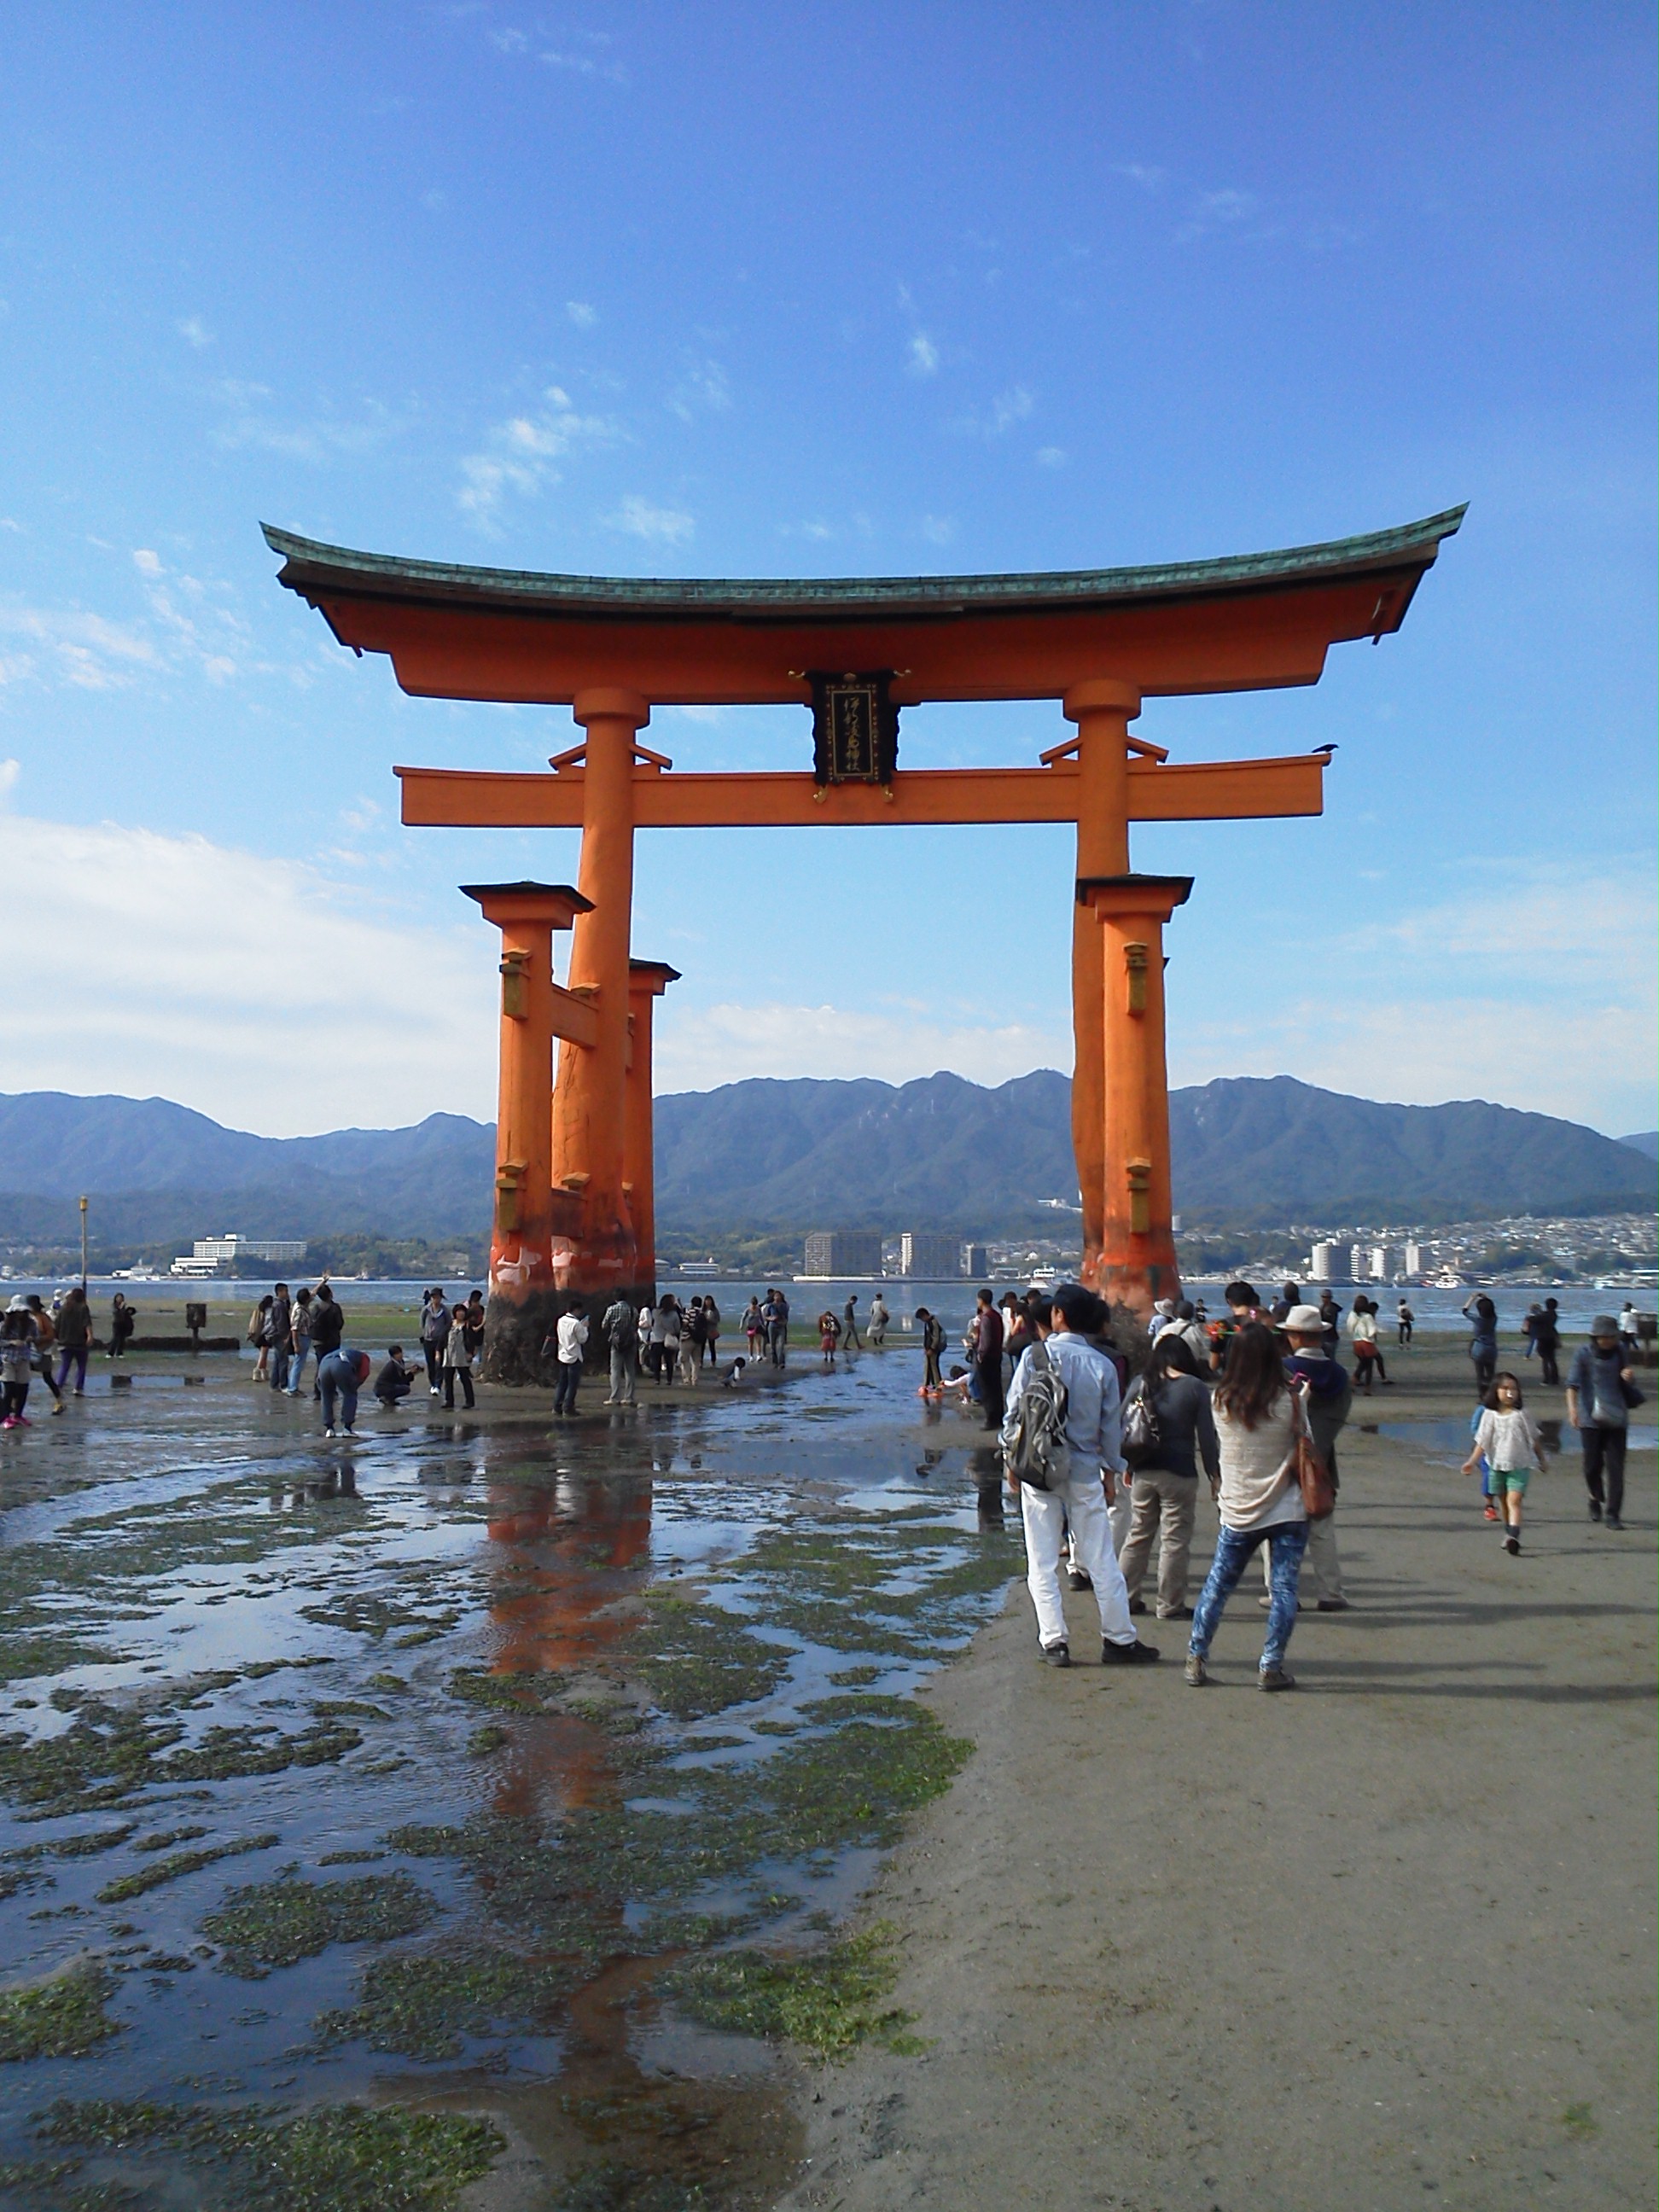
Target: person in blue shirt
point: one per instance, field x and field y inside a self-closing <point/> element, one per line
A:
<point x="340" y="1375"/>
<point x="1089" y="1465"/>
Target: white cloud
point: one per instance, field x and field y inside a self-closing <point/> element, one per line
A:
<point x="248" y="420"/>
<point x="195" y="333"/>
<point x="9" y="772"/>
<point x="1008" y="408"/>
<point x="581" y="314"/>
<point x="71" y="647"/>
<point x="177" y="991"/>
<point x="519" y="454"/>
<point x="658" y="525"/>
<point x="1533" y="986"/>
<point x="698" y="1049"/>
<point x="1051" y="457"/>
<point x="938" y="529"/>
<point x="1149" y="179"/>
<point x="922" y="359"/>
<point x="704" y="387"/>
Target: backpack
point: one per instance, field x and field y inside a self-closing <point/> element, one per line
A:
<point x="1143" y="1439"/>
<point x="1036" y="1451"/>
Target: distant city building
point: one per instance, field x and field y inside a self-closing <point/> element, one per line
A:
<point x="975" y="1261"/>
<point x="1358" y="1262"/>
<point x="933" y="1259"/>
<point x="839" y="1252"/>
<point x="1323" y="1263"/>
<point x="211" y="1252"/>
<point x="1412" y="1259"/>
<point x="1380" y="1258"/>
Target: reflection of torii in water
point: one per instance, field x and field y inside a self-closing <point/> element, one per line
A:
<point x="573" y="1169"/>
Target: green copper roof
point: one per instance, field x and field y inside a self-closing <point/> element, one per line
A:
<point x="317" y="570"/>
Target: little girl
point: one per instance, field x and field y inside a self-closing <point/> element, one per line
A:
<point x="1514" y="1449"/>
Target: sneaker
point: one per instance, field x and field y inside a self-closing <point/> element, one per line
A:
<point x="1512" y="1544"/>
<point x="1333" y="1605"/>
<point x="1613" y="1519"/>
<point x="1275" y="1678"/>
<point x="1055" y="1654"/>
<point x="434" y="1392"/>
<point x="1127" y="1654"/>
<point x="1175" y="1613"/>
<point x="1137" y="1605"/>
<point x="1196" y="1674"/>
<point x="328" y="1432"/>
<point x="1080" y="1579"/>
<point x="22" y="1421"/>
<point x="1595" y="1508"/>
<point x="11" y="1422"/>
<point x="57" y="1406"/>
<point x="1490" y="1512"/>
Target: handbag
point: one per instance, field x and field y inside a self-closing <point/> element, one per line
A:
<point x="1633" y="1396"/>
<point x="1313" y="1476"/>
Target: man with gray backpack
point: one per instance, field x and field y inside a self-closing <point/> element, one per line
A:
<point x="1061" y="1444"/>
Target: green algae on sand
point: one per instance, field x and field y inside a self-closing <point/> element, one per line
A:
<point x="277" y="1923"/>
<point x="380" y="2159"/>
<point x="829" y="2000"/>
<point x="59" y="2016"/>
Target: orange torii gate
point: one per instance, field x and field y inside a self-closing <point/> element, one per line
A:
<point x="574" y="1156"/>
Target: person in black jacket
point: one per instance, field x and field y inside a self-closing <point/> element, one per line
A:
<point x="327" y="1328"/>
<point x="1165" y="1494"/>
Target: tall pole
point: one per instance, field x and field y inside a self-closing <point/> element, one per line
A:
<point x="589" y="1108"/>
<point x="83" y="1247"/>
<point x="648" y="979"/>
<point x="1102" y="710"/>
<point x="1135" y="1263"/>
<point x="524" y="1251"/>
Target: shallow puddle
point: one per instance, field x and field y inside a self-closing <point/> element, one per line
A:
<point x="509" y="1776"/>
<point x="1452" y="1439"/>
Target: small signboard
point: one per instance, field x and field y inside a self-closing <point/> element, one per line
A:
<point x="855" y="727"/>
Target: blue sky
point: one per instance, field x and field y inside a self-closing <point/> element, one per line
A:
<point x="824" y="289"/>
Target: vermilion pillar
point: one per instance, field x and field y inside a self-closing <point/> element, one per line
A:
<point x="590" y="1103"/>
<point x="1133" y="1260"/>
<point x="1102" y="710"/>
<point x="647" y="980"/>
<point x="528" y="1218"/>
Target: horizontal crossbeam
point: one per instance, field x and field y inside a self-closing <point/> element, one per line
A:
<point x="1205" y="791"/>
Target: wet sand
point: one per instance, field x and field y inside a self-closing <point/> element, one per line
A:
<point x="1388" y="1941"/>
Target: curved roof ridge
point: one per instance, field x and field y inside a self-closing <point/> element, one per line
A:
<point x="308" y="563"/>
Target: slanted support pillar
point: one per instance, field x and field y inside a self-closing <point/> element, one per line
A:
<point x="1102" y="710"/>
<point x="527" y="1219"/>
<point x="589" y="1106"/>
<point x="1133" y="1260"/>
<point x="646" y="981"/>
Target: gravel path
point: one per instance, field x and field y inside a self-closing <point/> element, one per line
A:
<point x="1385" y="1942"/>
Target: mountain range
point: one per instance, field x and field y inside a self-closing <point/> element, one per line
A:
<point x="940" y="1153"/>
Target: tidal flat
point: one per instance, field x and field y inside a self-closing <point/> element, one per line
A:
<point x="475" y="1812"/>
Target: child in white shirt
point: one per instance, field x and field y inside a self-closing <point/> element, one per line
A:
<point x="1514" y="1449"/>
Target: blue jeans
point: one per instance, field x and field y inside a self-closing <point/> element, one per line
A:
<point x="564" y="1397"/>
<point x="333" y="1375"/>
<point x="296" y="1364"/>
<point x="1234" y="1548"/>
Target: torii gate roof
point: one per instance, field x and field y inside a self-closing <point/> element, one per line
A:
<point x="1244" y="623"/>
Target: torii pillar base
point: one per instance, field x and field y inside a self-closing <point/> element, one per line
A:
<point x="1133" y="1265"/>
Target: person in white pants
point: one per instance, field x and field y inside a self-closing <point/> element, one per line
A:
<point x="1089" y="1466"/>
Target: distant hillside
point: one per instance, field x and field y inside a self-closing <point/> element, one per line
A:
<point x="163" y="1173"/>
<point x="940" y="1153"/>
<point x="1647" y="1142"/>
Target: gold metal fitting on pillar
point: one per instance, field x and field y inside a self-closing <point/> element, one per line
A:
<point x="515" y="969"/>
<point x="1138" y="1174"/>
<point x="509" y="1180"/>
<point x="1134" y="961"/>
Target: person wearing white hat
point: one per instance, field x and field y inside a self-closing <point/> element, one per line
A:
<point x="1327" y="1400"/>
<point x="17" y="1338"/>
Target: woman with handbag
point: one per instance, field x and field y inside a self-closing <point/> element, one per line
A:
<point x="1258" y="1425"/>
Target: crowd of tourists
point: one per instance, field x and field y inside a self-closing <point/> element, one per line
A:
<point x="1252" y="1403"/>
